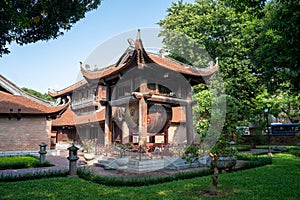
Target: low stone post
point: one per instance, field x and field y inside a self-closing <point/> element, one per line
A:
<point x="73" y="160"/>
<point x="43" y="152"/>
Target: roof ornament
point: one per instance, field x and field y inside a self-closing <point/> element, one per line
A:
<point x="138" y="37"/>
<point x="131" y="42"/>
<point x="162" y="52"/>
<point x="210" y="63"/>
<point x="139" y="48"/>
<point x="58" y="101"/>
<point x="69" y="99"/>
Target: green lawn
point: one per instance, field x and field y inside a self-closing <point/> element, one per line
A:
<point x="281" y="180"/>
<point x="17" y="162"/>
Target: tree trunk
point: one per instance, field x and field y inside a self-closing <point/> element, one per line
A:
<point x="213" y="187"/>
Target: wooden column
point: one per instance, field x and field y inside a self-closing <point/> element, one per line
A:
<point x="189" y="124"/>
<point x="143" y="116"/>
<point x="189" y="119"/>
<point x="108" y="118"/>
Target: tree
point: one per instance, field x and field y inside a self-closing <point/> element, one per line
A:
<point x="210" y="113"/>
<point x="276" y="57"/>
<point x="224" y="33"/>
<point x="28" y="21"/>
<point x="276" y="53"/>
<point x="44" y="96"/>
<point x="257" y="43"/>
<point x="281" y="104"/>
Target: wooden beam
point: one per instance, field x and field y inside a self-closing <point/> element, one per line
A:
<point x="163" y="99"/>
<point x="121" y="101"/>
<point x="171" y="100"/>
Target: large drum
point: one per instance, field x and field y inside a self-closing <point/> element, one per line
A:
<point x="158" y="116"/>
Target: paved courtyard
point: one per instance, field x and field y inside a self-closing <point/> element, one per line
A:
<point x="62" y="163"/>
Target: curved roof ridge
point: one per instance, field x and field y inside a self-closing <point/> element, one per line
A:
<point x="16" y="91"/>
<point x="54" y="93"/>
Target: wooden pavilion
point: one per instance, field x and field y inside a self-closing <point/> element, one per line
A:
<point x="143" y="90"/>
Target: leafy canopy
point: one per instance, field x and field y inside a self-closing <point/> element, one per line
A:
<point x="44" y="96"/>
<point x="257" y="43"/>
<point x="28" y="21"/>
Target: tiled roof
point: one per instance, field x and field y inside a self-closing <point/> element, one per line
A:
<point x="91" y="75"/>
<point x="10" y="104"/>
<point x="9" y="86"/>
<point x="70" y="118"/>
<point x="164" y="62"/>
<point x="181" y="68"/>
<point x="134" y="56"/>
<point x="140" y="55"/>
<point x="69" y="89"/>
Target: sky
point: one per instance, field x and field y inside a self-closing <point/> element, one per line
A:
<point x="54" y="64"/>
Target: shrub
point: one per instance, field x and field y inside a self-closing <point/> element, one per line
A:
<point x="138" y="181"/>
<point x="295" y="152"/>
<point x="243" y="148"/>
<point x="254" y="160"/>
<point x="31" y="176"/>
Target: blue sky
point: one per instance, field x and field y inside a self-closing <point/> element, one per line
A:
<point x="55" y="64"/>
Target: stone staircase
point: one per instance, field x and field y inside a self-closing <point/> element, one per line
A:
<point x="145" y="165"/>
<point x="109" y="163"/>
<point x="148" y="165"/>
<point x="179" y="163"/>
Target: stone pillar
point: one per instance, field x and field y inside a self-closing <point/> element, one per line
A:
<point x="73" y="160"/>
<point x="43" y="152"/>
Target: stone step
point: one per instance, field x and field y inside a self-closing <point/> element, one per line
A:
<point x="145" y="165"/>
<point x="110" y="163"/>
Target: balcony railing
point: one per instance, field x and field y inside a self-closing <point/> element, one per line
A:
<point x="83" y="103"/>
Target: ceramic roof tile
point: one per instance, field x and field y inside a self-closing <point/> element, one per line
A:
<point x="70" y="118"/>
<point x="13" y="104"/>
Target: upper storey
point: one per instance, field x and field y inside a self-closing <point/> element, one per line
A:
<point x="155" y="69"/>
<point x="135" y="57"/>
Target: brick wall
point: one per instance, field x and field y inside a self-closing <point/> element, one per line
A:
<point x="25" y="134"/>
<point x="274" y="139"/>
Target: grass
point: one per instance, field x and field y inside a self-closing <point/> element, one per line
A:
<point x="18" y="162"/>
<point x="281" y="180"/>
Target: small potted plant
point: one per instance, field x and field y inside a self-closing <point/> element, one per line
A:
<point x="122" y="161"/>
<point x="89" y="149"/>
<point x="227" y="160"/>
